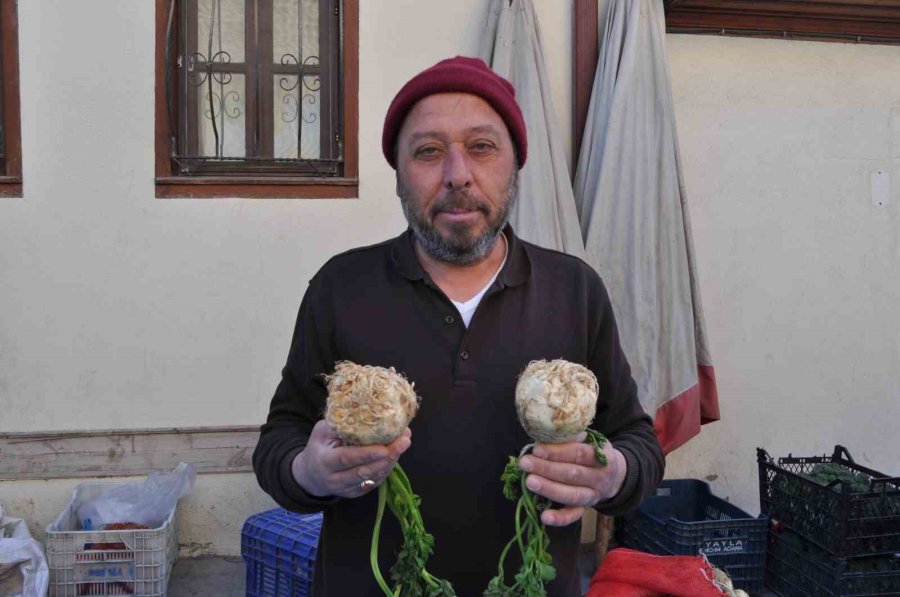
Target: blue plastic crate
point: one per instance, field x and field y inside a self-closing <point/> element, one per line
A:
<point x="279" y="549"/>
<point x="684" y="518"/>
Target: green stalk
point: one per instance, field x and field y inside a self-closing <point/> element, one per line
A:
<point x="403" y="489"/>
<point x="409" y="573"/>
<point x="376" y="533"/>
<point x="522" y="504"/>
<point x="503" y="554"/>
<point x="531" y="535"/>
<point x="396" y="494"/>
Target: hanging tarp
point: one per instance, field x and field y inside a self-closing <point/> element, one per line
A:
<point x="631" y="203"/>
<point x="545" y="212"/>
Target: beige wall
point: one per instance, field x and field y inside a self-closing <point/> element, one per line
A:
<point x="799" y="270"/>
<point x="121" y="310"/>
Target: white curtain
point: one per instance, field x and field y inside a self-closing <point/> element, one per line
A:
<point x="545" y="212"/>
<point x="631" y="203"/>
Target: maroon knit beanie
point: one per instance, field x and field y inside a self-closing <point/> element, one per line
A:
<point x="464" y="75"/>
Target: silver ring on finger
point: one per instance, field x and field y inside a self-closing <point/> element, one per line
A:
<point x="367" y="485"/>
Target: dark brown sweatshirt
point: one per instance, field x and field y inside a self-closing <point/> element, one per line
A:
<point x="377" y="306"/>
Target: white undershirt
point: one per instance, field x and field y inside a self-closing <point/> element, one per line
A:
<point x="467" y="308"/>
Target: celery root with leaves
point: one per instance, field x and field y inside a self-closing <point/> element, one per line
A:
<point x="373" y="405"/>
<point x="555" y="402"/>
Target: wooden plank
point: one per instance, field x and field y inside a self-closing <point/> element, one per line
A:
<point x="351" y="88"/>
<point x="161" y="121"/>
<point x="586" y="51"/>
<point x="12" y="124"/>
<point x="209" y="188"/>
<point x="605" y="528"/>
<point x="867" y="20"/>
<point x="119" y="453"/>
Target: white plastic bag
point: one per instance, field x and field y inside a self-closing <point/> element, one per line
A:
<point x="147" y="503"/>
<point x="23" y="566"/>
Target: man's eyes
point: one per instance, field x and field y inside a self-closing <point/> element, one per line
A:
<point x="477" y="148"/>
<point x="482" y="146"/>
<point x="427" y="151"/>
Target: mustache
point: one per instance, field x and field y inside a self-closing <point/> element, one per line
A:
<point x="459" y="201"/>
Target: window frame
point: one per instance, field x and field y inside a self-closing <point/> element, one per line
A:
<point x="11" y="130"/>
<point x="171" y="184"/>
<point x="862" y="21"/>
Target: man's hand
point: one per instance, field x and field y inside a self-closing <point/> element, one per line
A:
<point x="327" y="467"/>
<point x="569" y="474"/>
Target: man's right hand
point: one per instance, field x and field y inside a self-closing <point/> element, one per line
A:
<point x="327" y="467"/>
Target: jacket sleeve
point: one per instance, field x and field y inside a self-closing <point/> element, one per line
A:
<point x="298" y="403"/>
<point x="620" y="416"/>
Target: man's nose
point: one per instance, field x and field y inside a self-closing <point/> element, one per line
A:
<point x="457" y="174"/>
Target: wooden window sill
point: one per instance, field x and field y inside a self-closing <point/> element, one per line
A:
<point x="11" y="186"/>
<point x="200" y="187"/>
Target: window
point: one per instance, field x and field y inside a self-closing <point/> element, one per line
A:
<point x="256" y="98"/>
<point x="10" y="125"/>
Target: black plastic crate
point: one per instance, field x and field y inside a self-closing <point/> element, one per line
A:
<point x="856" y="515"/>
<point x="279" y="549"/>
<point x="685" y="518"/>
<point x="797" y="567"/>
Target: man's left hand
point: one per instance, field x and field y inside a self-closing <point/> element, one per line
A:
<point x="569" y="474"/>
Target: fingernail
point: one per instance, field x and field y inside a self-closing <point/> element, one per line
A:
<point x="532" y="483"/>
<point x="540" y="452"/>
<point x="525" y="464"/>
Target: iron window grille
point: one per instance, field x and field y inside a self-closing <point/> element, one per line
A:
<point x="254" y="87"/>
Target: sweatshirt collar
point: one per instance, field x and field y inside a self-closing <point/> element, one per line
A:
<point x="516" y="270"/>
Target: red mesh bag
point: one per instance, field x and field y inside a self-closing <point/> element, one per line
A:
<point x="630" y="573"/>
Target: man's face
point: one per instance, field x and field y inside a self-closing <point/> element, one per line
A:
<point x="456" y="175"/>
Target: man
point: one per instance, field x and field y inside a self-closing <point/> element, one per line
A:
<point x="459" y="305"/>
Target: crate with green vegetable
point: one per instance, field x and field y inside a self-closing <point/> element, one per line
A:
<point x="847" y="509"/>
<point x="797" y="567"/>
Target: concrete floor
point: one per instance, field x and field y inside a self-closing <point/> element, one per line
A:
<point x="207" y="577"/>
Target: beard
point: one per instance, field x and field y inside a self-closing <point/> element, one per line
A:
<point x="459" y="245"/>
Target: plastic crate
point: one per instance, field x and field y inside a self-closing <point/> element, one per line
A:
<point x="685" y="518"/>
<point x="847" y="523"/>
<point x="279" y="549"/>
<point x="797" y="567"/>
<point x="129" y="562"/>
